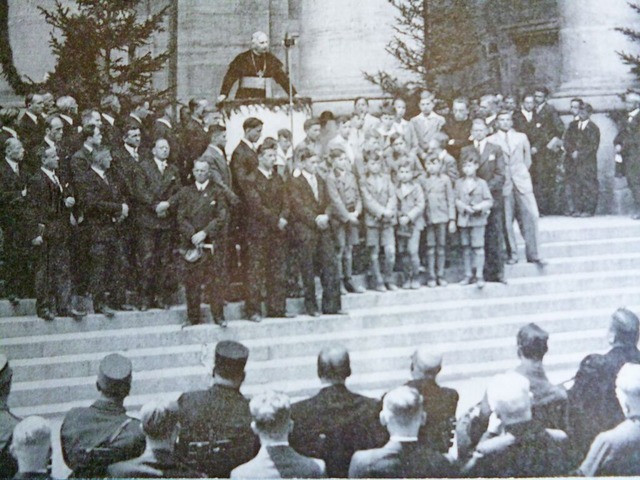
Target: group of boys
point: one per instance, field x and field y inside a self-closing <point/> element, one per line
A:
<point x="106" y="212"/>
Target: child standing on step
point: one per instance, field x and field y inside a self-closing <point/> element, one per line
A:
<point x="440" y="216"/>
<point x="346" y="207"/>
<point x="380" y="210"/>
<point x="473" y="202"/>
<point x="411" y="207"/>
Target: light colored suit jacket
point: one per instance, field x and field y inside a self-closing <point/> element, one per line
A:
<point x="426" y="127"/>
<point x="280" y="461"/>
<point x="517" y="160"/>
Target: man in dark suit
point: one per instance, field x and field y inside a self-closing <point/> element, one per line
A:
<point x="545" y="159"/>
<point x="271" y="414"/>
<point x="50" y="202"/>
<point x="627" y="146"/>
<point x="308" y="210"/>
<point x="53" y="135"/>
<point x="523" y="447"/>
<point x="8" y="421"/>
<point x="80" y="161"/>
<point x="94" y="437"/>
<point x="110" y="112"/>
<point x="127" y="166"/>
<point x="31" y="446"/>
<point x="215" y="424"/>
<point x="458" y="127"/>
<point x="490" y="162"/>
<point x="163" y="127"/>
<point x="156" y="223"/>
<point x="104" y="209"/>
<point x="244" y="161"/>
<point x="17" y="265"/>
<point x="439" y="402"/>
<point x="336" y="422"/>
<point x="140" y="115"/>
<point x="201" y="213"/>
<point x="159" y="420"/>
<point x="593" y="406"/>
<point x="194" y="135"/>
<point x="30" y="129"/>
<point x="616" y="452"/>
<point x="523" y="120"/>
<point x="581" y="142"/>
<point x="403" y="456"/>
<point x="267" y="224"/>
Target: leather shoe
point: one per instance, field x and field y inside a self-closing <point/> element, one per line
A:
<point x="635" y="216"/>
<point x="392" y="287"/>
<point x="480" y="283"/>
<point x="380" y="288"/>
<point x="466" y="281"/>
<point x="282" y="315"/>
<point x="539" y="262"/>
<point x="255" y="318"/>
<point x="13" y="300"/>
<point x="315" y="313"/>
<point x="107" y="312"/>
<point x="351" y="288"/>
<point x="339" y="312"/>
<point x="512" y="261"/>
<point x="127" y="308"/>
<point x="47" y="315"/>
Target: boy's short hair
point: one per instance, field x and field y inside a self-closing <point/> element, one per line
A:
<point x="284" y="133"/>
<point x="404" y="163"/>
<point x="372" y="133"/>
<point x="336" y="152"/>
<point x="251" y="123"/>
<point x="268" y="143"/>
<point x="360" y="98"/>
<point x="310" y="122"/>
<point x="427" y="94"/>
<point x="586" y="107"/>
<point x="306" y="153"/>
<point x="343" y="119"/>
<point x="371" y="156"/>
<point x="442" y="138"/>
<point x="271" y="412"/>
<point x="388" y="110"/>
<point x="395" y="136"/>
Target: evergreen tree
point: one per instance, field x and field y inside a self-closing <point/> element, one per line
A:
<point x="433" y="38"/>
<point x="97" y="46"/>
<point x="634" y="35"/>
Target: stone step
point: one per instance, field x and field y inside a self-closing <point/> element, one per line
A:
<point x="586" y="263"/>
<point x="524" y="285"/>
<point x="354" y="338"/>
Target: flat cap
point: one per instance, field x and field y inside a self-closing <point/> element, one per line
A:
<point x="231" y="357"/>
<point x="5" y="370"/>
<point x="114" y="375"/>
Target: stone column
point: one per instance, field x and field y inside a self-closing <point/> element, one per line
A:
<point x="339" y="40"/>
<point x="593" y="71"/>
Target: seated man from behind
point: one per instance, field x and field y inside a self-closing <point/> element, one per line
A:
<point x="439" y="402"/>
<point x="616" y="452"/>
<point x="31" y="447"/>
<point x="160" y="427"/>
<point x="403" y="456"/>
<point x="271" y="421"/>
<point x="522" y="447"/>
<point x="336" y="422"/>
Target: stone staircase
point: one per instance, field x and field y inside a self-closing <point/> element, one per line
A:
<point x="594" y="267"/>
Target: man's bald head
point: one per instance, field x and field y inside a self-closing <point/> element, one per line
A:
<point x="259" y="43"/>
<point x="334" y="365"/>
<point x="425" y="362"/>
<point x="628" y="389"/>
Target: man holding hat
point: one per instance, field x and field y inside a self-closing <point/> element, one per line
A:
<point x="94" y="437"/>
<point x="593" y="405"/>
<point x="216" y="423"/>
<point x="439" y="402"/>
<point x="8" y="421"/>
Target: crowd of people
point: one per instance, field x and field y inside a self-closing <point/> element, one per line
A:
<point x="524" y="426"/>
<point x="123" y="207"/>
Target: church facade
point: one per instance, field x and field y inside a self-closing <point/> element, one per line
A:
<point x="570" y="46"/>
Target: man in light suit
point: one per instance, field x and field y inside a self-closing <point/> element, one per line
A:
<point x="519" y="201"/>
<point x="403" y="456"/>
<point x="271" y="421"/>
<point x="491" y="170"/>
<point x="627" y="145"/>
<point x="428" y="123"/>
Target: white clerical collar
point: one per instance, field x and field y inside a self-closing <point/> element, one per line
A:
<point x="98" y="171"/>
<point x="14" y="165"/>
<point x="309" y="176"/>
<point x="52" y="176"/>
<point x="583" y="123"/>
<point x="490" y="118"/>
<point x="398" y="438"/>
<point x="133" y="115"/>
<point x="539" y="107"/>
<point x="110" y="120"/>
<point x="88" y="147"/>
<point x="165" y="121"/>
<point x="198" y="120"/>
<point x="49" y="142"/>
<point x="249" y="143"/>
<point x="132" y="151"/>
<point x="634" y="112"/>
<point x="31" y="116"/>
<point x="528" y="115"/>
<point x="162" y="164"/>
<point x="202" y="186"/>
<point x="266" y="173"/>
<point x="284" y="443"/>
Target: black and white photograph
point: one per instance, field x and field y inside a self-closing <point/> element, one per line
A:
<point x="319" y="238"/>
